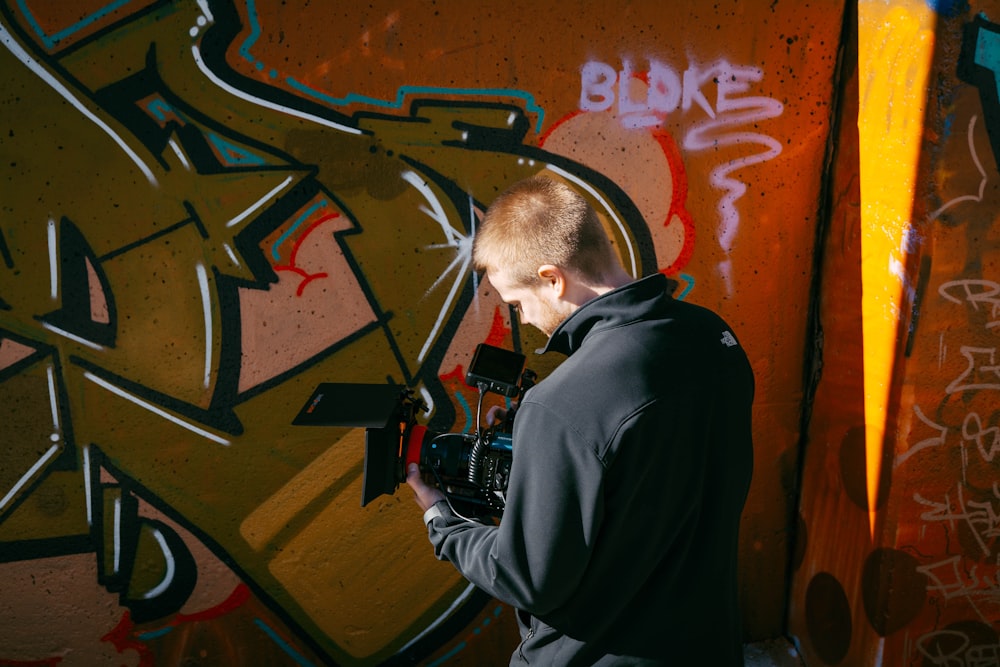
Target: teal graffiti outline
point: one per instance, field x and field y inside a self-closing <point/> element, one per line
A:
<point x="401" y="94"/>
<point x="688" y="285"/>
<point x="282" y="644"/>
<point x="463" y="644"/>
<point x="50" y="41"/>
<point x="295" y="225"/>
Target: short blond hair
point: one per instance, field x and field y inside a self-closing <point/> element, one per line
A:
<point x="541" y="221"/>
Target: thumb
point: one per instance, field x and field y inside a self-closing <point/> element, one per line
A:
<point x="413" y="477"/>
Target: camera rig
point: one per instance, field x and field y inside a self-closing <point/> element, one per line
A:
<point x="471" y="469"/>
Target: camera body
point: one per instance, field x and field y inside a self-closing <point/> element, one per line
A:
<point x="471" y="469"/>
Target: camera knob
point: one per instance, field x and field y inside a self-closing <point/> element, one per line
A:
<point x="502" y="476"/>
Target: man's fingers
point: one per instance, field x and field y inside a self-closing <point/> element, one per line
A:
<point x="425" y="494"/>
<point x="414" y="479"/>
<point x="495" y="414"/>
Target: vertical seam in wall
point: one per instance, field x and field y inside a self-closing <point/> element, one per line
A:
<point x="813" y="352"/>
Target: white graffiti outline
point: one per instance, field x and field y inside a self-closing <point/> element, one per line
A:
<point x="267" y="104"/>
<point x="155" y="410"/>
<point x="171" y="568"/>
<point x="619" y="223"/>
<point x="8" y="41"/>
<point x="42" y="460"/>
<point x="982" y="181"/>
<point x="925" y="443"/>
<point x="206" y="307"/>
<point x="453" y="239"/>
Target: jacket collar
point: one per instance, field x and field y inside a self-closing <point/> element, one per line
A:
<point x="619" y="306"/>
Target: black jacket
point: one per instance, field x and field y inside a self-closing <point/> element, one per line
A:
<point x="631" y="466"/>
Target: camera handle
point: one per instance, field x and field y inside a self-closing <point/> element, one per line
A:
<point x="480" y="444"/>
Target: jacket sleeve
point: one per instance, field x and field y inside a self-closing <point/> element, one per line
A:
<point x="535" y="557"/>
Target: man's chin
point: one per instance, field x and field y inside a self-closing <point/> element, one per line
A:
<point x="550" y="329"/>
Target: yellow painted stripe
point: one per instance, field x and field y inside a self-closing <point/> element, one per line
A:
<point x="895" y="45"/>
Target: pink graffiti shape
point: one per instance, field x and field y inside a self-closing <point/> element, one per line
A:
<point x="306" y="276"/>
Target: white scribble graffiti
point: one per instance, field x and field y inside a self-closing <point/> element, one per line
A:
<point x="669" y="91"/>
<point x="734" y="113"/>
<point x="953" y="648"/>
<point x="982" y="371"/>
<point x="980" y="517"/>
<point x="975" y="292"/>
<point x="954" y="577"/>
<point x="987" y="439"/>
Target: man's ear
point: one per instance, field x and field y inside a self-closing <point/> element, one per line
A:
<point x="554" y="278"/>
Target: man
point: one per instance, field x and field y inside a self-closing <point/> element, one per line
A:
<point x="631" y="462"/>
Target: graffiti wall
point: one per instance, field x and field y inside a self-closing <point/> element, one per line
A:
<point x="211" y="206"/>
<point x="898" y="558"/>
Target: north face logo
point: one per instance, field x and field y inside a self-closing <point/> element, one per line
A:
<point x="728" y="339"/>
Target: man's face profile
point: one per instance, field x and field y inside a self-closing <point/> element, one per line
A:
<point x="537" y="305"/>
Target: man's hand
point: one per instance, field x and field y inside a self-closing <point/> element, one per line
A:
<point x="425" y="494"/>
<point x="495" y="415"/>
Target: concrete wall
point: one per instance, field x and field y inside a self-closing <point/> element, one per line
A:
<point x="897" y="555"/>
<point x="209" y="207"/>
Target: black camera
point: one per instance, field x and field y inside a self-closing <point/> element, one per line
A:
<point x="472" y="469"/>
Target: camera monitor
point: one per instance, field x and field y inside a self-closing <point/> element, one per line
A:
<point x="496" y="369"/>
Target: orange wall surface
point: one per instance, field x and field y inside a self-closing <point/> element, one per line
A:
<point x="896" y="559"/>
<point x="211" y="206"/>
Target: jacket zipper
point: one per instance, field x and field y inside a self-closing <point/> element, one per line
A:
<point x="527" y="638"/>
